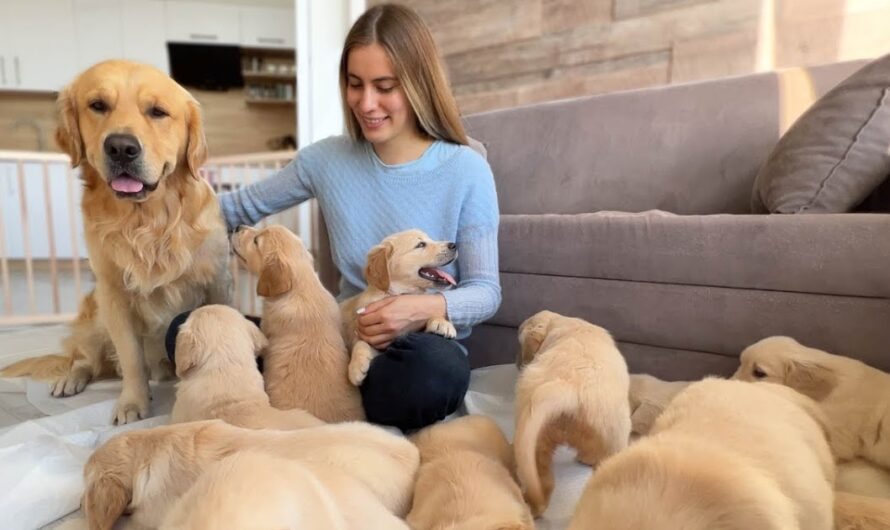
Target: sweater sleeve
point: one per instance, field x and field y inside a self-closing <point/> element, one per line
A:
<point x="478" y="294"/>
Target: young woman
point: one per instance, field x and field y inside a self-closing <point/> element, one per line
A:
<point x="404" y="164"/>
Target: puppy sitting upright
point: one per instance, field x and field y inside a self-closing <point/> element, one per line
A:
<point x="404" y="263"/>
<point x="216" y="365"/>
<point x="573" y="391"/>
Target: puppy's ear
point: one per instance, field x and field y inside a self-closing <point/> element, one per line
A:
<point x="810" y="379"/>
<point x="196" y="151"/>
<point x="275" y="278"/>
<point x="531" y="336"/>
<point x="68" y="131"/>
<point x="259" y="340"/>
<point x="377" y="269"/>
<point x="187" y="351"/>
<point x="104" y="502"/>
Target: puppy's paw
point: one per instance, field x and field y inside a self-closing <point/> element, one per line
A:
<point x="73" y="382"/>
<point x="362" y="354"/>
<point x="132" y="405"/>
<point x="440" y="326"/>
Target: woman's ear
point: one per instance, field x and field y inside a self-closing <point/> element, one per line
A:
<point x="377" y="268"/>
<point x="68" y="130"/>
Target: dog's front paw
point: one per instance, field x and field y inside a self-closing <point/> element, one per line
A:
<point x="360" y="362"/>
<point x="440" y="326"/>
<point x="73" y="382"/>
<point x="131" y="406"/>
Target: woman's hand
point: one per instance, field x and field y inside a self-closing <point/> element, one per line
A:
<point x="386" y="319"/>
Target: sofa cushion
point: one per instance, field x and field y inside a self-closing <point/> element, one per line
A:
<point x="836" y="154"/>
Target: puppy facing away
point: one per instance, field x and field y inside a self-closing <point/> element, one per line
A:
<point x="306" y="359"/>
<point x="218" y="379"/>
<point x="648" y="398"/>
<point x="144" y="472"/>
<point x="723" y="455"/>
<point x="252" y="490"/>
<point x="404" y="263"/>
<point x="466" y="481"/>
<point x="854" y="396"/>
<point x="573" y="389"/>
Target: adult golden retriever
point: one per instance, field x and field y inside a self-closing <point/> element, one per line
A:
<point x="306" y="360"/>
<point x="854" y="396"/>
<point x="218" y="378"/>
<point x="155" y="237"/>
<point x="404" y="263"/>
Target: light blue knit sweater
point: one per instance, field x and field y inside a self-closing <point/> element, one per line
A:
<point x="448" y="193"/>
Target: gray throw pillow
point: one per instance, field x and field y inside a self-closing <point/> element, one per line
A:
<point x="836" y="154"/>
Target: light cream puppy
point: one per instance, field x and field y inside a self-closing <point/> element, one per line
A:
<point x="466" y="479"/>
<point x="404" y="263"/>
<point x="862" y="478"/>
<point x="144" y="472"/>
<point x="648" y="398"/>
<point x="573" y="389"/>
<point x="854" y="396"/>
<point x="252" y="490"/>
<point x="306" y="360"/>
<point x="723" y="455"/>
<point x="218" y="379"/>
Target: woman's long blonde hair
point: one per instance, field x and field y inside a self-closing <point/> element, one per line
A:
<point x="411" y="49"/>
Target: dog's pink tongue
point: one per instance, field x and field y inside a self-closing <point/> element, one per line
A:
<point x="126" y="185"/>
<point x="442" y="274"/>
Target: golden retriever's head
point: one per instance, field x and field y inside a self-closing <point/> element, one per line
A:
<point x="408" y="262"/>
<point x="133" y="125"/>
<point x="785" y="361"/>
<point x="217" y="336"/>
<point x="276" y="255"/>
<point x="532" y="333"/>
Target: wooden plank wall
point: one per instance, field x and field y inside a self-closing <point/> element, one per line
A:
<point x="503" y="53"/>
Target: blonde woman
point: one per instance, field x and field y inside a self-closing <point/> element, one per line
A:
<point x="404" y="164"/>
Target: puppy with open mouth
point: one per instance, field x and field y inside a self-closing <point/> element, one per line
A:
<point x="408" y="262"/>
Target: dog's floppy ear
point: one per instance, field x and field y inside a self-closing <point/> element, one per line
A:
<point x="377" y="268"/>
<point x="259" y="340"/>
<point x="810" y="379"/>
<point x="68" y="131"/>
<point x="105" y="499"/>
<point x="532" y="333"/>
<point x="196" y="150"/>
<point x="187" y="351"/>
<point x="275" y="278"/>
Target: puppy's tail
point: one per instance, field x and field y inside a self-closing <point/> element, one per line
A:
<point x="44" y="368"/>
<point x="858" y="512"/>
<point x="548" y="402"/>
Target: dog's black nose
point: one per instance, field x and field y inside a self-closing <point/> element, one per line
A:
<point x="451" y="246"/>
<point x="122" y="147"/>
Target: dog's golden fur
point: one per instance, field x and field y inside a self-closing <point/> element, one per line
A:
<point x="306" y="360"/>
<point x="724" y="455"/>
<point x="648" y="398"/>
<point x="218" y="378"/>
<point x="145" y="471"/>
<point x="573" y="389"/>
<point x="854" y="396"/>
<point x="466" y="479"/>
<point x="155" y="253"/>
<point x="393" y="267"/>
<point x="252" y="490"/>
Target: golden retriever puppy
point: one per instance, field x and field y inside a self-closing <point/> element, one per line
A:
<point x="573" y="389"/>
<point x="144" y="472"/>
<point x="723" y="455"/>
<point x="648" y="398"/>
<point x="252" y="490"/>
<point x="404" y="263"/>
<point x="857" y="512"/>
<point x="854" y="396"/>
<point x="155" y="237"/>
<point x="306" y="360"/>
<point x="218" y="378"/>
<point x="466" y="479"/>
<point x="862" y="478"/>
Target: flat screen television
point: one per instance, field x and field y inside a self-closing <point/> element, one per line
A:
<point x="205" y="66"/>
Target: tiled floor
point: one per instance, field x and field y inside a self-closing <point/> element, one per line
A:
<point x="16" y="344"/>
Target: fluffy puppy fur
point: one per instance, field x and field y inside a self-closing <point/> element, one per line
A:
<point x="218" y="378"/>
<point x="724" y="455"/>
<point x="854" y="396"/>
<point x="252" y="490"/>
<point x="857" y="512"/>
<point x="404" y="263"/>
<point x="154" y="234"/>
<point x="306" y="360"/>
<point x="573" y="389"/>
<point x="144" y="472"/>
<point x="861" y="477"/>
<point x="466" y="479"/>
<point x="648" y="398"/>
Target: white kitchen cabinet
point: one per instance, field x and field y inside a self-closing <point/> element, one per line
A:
<point x="202" y="23"/>
<point x="267" y="27"/>
<point x="39" y="51"/>
<point x="99" y="35"/>
<point x="144" y="38"/>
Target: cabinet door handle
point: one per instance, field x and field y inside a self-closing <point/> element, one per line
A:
<point x="2" y="70"/>
<point x="203" y="36"/>
<point x="18" y="77"/>
<point x="270" y="40"/>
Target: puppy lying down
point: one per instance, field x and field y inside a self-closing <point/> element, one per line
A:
<point x="218" y="379"/>
<point x="144" y="472"/>
<point x="466" y="479"/>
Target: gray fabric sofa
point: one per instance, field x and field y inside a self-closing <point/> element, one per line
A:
<point x="683" y="289"/>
